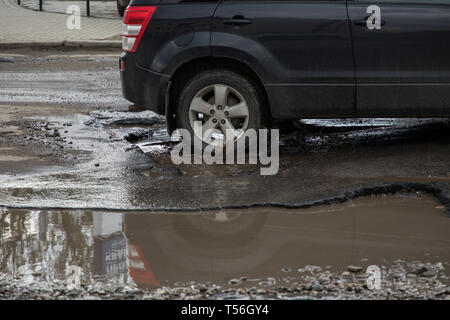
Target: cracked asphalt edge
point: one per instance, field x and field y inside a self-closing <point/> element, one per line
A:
<point x="434" y="189"/>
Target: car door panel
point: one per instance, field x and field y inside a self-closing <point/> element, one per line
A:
<point x="402" y="69"/>
<point x="300" y="49"/>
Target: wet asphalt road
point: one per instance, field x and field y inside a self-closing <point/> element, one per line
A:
<point x="77" y="95"/>
<point x="63" y="123"/>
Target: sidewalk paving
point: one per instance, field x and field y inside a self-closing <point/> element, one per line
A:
<point x="99" y="9"/>
<point x="24" y="27"/>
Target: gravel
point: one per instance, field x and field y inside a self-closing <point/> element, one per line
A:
<point x="354" y="268"/>
<point x="398" y="281"/>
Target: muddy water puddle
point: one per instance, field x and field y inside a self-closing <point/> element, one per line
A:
<point x="262" y="247"/>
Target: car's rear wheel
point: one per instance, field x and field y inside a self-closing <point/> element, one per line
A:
<point x="220" y="100"/>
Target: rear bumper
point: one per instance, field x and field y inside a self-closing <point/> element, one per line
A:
<point x="141" y="86"/>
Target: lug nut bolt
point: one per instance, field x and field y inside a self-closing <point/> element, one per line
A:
<point x="212" y="112"/>
<point x="219" y="107"/>
<point x="222" y="121"/>
<point x="226" y="113"/>
<point x="214" y="120"/>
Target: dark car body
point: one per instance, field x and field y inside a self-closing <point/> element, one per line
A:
<point x="313" y="59"/>
<point x="121" y="5"/>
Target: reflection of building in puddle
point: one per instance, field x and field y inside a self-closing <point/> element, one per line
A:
<point x="109" y="246"/>
<point x="40" y="244"/>
<point x="46" y="245"/>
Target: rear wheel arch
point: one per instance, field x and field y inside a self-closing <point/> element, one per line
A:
<point x="187" y="70"/>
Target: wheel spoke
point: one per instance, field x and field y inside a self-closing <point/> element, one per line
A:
<point x="239" y="110"/>
<point x="226" y="126"/>
<point x="208" y="125"/>
<point x="221" y="95"/>
<point x="219" y="117"/>
<point x="201" y="106"/>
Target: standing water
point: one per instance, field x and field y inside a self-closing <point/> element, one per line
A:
<point x="406" y="235"/>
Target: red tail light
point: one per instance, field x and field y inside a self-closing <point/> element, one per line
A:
<point x="136" y="20"/>
<point x="138" y="267"/>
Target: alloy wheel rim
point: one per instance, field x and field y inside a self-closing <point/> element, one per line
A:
<point x="219" y="108"/>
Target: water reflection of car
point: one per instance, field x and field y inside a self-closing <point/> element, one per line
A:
<point x="121" y="6"/>
<point x="165" y="249"/>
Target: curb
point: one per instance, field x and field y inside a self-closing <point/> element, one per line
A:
<point x="116" y="44"/>
<point x="93" y="43"/>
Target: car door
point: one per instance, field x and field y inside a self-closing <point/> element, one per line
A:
<point x="300" y="49"/>
<point x="403" y="68"/>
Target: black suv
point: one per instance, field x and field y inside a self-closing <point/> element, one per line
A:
<point x="243" y="64"/>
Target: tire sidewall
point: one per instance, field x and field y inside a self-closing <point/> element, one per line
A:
<point x="237" y="82"/>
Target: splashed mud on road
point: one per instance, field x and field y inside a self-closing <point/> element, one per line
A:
<point x="317" y="252"/>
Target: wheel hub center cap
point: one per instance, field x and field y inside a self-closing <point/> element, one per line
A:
<point x="219" y="113"/>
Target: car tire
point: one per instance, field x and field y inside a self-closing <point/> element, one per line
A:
<point x="242" y="91"/>
<point x="120" y="9"/>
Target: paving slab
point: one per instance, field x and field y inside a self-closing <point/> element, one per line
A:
<point x="24" y="27"/>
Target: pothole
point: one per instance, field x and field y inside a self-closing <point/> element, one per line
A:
<point x="406" y="236"/>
